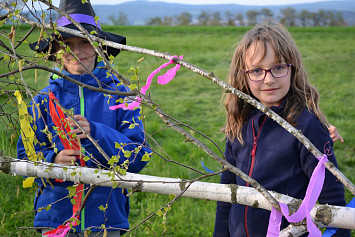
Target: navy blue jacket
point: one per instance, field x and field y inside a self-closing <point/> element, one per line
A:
<point x="107" y="128"/>
<point x="281" y="163"/>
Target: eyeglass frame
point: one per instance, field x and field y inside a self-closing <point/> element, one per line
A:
<point x="269" y="70"/>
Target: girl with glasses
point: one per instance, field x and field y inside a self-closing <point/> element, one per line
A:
<point x="268" y="66"/>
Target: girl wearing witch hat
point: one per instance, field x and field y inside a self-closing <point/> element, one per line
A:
<point x="105" y="206"/>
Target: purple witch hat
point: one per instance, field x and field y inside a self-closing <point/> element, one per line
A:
<point x="85" y="15"/>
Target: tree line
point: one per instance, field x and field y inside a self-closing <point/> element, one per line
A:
<point x="288" y="16"/>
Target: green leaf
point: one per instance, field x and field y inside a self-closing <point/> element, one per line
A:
<point x="127" y="154"/>
<point x="146" y="157"/>
<point x="48" y="207"/>
<point x="102" y="208"/>
<point x="71" y="190"/>
<point x="95" y="44"/>
<point x="123" y="171"/>
<point x="159" y="213"/>
<point x="132" y="87"/>
<point x="114" y="184"/>
<point x="132" y="126"/>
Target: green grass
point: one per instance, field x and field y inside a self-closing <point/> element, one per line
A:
<point x="194" y="100"/>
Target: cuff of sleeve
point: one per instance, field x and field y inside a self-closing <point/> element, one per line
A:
<point x="50" y="156"/>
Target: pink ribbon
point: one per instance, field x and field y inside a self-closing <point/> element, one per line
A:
<point x="162" y="80"/>
<point x="61" y="230"/>
<point x="312" y="193"/>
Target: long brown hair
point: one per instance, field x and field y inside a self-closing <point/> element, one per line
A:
<point x="301" y="94"/>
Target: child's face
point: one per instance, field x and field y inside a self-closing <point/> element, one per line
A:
<point x="83" y="51"/>
<point x="271" y="90"/>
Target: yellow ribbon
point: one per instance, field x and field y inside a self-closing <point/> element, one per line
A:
<point x="27" y="134"/>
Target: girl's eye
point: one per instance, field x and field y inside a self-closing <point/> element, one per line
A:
<point x="279" y="67"/>
<point x="85" y="42"/>
<point x="256" y="71"/>
<point x="67" y="43"/>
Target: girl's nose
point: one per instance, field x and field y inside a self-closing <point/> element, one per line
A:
<point x="269" y="78"/>
<point x="74" y="48"/>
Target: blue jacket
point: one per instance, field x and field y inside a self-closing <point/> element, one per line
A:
<point x="107" y="128"/>
<point x="279" y="162"/>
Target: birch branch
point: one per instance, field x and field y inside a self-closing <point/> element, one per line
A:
<point x="322" y="215"/>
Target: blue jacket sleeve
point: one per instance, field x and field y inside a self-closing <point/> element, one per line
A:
<point x="221" y="228"/>
<point x="132" y="139"/>
<point x="333" y="190"/>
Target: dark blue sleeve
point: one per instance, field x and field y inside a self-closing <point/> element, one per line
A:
<point x="132" y="140"/>
<point x="221" y="228"/>
<point x="333" y="190"/>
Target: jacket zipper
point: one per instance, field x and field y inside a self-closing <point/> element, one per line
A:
<point x="253" y="153"/>
<point x="82" y="112"/>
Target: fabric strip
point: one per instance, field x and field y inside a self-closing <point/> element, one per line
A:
<point x="313" y="191"/>
<point x="81" y="18"/>
<point x="163" y="79"/>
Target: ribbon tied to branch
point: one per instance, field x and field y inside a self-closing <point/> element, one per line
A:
<point x="162" y="80"/>
<point x="69" y="142"/>
<point x="312" y="193"/>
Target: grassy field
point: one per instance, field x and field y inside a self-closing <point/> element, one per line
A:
<point x="194" y="100"/>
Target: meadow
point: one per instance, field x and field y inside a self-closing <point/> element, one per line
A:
<point x="328" y="57"/>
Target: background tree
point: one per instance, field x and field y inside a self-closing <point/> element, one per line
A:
<point x="120" y="19"/>
<point x="288" y="16"/>
<point x="167" y="21"/>
<point x="324" y="17"/>
<point x="304" y="16"/>
<point x="203" y="18"/>
<point x="336" y="19"/>
<point x="240" y="19"/>
<point x="315" y="19"/>
<point x="184" y="19"/>
<point x="252" y="16"/>
<point x="230" y="18"/>
<point x="266" y="13"/>
<point x="153" y="21"/>
<point x="216" y="19"/>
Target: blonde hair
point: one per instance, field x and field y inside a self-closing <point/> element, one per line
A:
<point x="301" y="94"/>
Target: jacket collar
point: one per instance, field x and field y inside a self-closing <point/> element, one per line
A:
<point x="99" y="72"/>
<point x="277" y="109"/>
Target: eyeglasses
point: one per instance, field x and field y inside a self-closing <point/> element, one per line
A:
<point x="259" y="74"/>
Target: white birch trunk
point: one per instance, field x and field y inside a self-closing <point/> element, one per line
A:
<point x="323" y="215"/>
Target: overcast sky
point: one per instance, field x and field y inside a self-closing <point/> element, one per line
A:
<point x="243" y="2"/>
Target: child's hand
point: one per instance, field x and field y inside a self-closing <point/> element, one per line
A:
<point x="334" y="134"/>
<point x="66" y="157"/>
<point x="84" y="123"/>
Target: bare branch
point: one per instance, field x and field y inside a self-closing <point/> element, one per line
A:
<point x="323" y="215"/>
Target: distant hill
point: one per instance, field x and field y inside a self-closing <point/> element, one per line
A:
<point x="138" y="12"/>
